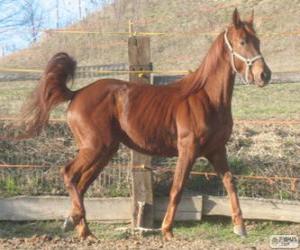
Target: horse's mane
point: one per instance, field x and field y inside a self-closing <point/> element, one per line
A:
<point x="195" y="81"/>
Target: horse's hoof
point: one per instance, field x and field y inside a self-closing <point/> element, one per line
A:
<point x="91" y="238"/>
<point x="68" y="224"/>
<point x="240" y="230"/>
<point x="88" y="237"/>
<point x="167" y="235"/>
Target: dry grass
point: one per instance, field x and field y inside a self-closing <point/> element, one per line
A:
<point x="253" y="150"/>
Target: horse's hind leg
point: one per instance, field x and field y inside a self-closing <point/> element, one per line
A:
<point x="72" y="173"/>
<point x="96" y="137"/>
<point x="87" y="179"/>
<point x="92" y="173"/>
<point x="78" y="175"/>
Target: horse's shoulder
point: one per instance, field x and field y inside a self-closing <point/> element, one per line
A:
<point x="191" y="116"/>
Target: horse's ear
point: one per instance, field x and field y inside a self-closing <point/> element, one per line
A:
<point x="250" y="19"/>
<point x="236" y="20"/>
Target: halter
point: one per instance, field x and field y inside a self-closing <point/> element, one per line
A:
<point x="248" y="61"/>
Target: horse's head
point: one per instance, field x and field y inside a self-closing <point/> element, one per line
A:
<point x="244" y="48"/>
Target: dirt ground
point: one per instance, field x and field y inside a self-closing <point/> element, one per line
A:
<point x="211" y="233"/>
<point x="134" y="242"/>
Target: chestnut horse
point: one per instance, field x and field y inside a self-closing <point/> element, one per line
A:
<point x="187" y="118"/>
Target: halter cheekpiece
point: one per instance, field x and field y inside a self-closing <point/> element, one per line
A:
<point x="248" y="61"/>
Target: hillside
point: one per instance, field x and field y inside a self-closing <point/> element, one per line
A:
<point x="184" y="47"/>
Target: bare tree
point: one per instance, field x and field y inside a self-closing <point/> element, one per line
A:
<point x="100" y="3"/>
<point x="57" y="14"/>
<point x="32" y="18"/>
<point x="9" y="21"/>
<point x="79" y="9"/>
<point x="9" y="11"/>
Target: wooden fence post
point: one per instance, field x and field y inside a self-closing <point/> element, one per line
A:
<point x="143" y="209"/>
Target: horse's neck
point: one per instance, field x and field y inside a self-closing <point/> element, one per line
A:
<point x="219" y="86"/>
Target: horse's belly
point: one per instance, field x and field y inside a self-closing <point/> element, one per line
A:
<point x="162" y="144"/>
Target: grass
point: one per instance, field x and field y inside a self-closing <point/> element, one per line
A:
<point x="275" y="101"/>
<point x="28" y="229"/>
<point x="54" y="228"/>
<point x="220" y="229"/>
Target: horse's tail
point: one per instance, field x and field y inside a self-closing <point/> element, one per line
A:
<point x="51" y="91"/>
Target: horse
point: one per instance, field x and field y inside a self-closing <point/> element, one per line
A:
<point x="188" y="118"/>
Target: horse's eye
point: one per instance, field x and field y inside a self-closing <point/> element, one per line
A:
<point x="243" y="42"/>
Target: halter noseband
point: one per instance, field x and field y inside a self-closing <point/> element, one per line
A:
<point x="248" y="61"/>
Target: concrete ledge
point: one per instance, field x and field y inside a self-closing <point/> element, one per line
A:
<point x="57" y="207"/>
<point x="190" y="208"/>
<point x="23" y="208"/>
<point x="262" y="209"/>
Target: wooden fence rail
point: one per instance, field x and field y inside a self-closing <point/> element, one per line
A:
<point x="81" y="72"/>
<point x="24" y="208"/>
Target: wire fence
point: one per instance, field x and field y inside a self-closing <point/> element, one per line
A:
<point x="263" y="158"/>
<point x="33" y="166"/>
<point x="268" y="148"/>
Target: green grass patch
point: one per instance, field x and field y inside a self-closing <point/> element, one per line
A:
<point x="28" y="229"/>
<point x="221" y="229"/>
<point x="278" y="101"/>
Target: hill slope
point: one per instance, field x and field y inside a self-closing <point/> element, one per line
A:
<point x="184" y="47"/>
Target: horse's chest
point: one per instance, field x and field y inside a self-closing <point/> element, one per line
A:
<point x="217" y="136"/>
<point x="222" y="134"/>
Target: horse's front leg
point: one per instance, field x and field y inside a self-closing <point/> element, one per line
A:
<point x="219" y="160"/>
<point x="185" y="161"/>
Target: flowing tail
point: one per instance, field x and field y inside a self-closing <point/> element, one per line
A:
<point x="51" y="91"/>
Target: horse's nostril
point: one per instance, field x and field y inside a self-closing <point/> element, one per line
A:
<point x="265" y="76"/>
